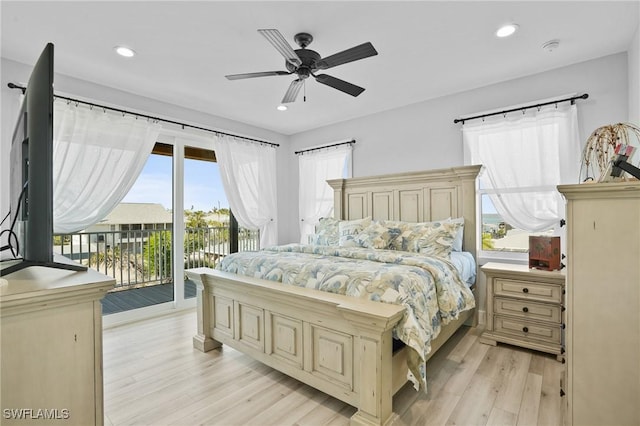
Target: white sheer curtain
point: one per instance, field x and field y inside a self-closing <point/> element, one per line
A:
<point x="97" y="157"/>
<point x="525" y="157"/>
<point x="315" y="195"/>
<point x="248" y="172"/>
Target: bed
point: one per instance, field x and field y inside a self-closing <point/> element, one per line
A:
<point x="339" y="344"/>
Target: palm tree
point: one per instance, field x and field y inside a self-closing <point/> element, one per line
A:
<point x="487" y="241"/>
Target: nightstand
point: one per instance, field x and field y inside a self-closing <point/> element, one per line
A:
<point x="525" y="307"/>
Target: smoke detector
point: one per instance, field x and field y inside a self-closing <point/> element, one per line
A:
<point x="551" y="45"/>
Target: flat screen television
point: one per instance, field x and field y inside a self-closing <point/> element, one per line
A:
<point x="30" y="237"/>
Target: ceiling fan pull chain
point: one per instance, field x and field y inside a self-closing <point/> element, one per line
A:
<point x="304" y="94"/>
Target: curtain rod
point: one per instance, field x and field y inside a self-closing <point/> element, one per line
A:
<point x="352" y="141"/>
<point x="122" y="111"/>
<point x="572" y="99"/>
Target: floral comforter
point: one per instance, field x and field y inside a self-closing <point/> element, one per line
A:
<point x="428" y="287"/>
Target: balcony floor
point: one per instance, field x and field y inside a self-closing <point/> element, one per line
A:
<point x="124" y="300"/>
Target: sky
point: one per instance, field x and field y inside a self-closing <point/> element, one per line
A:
<point x="202" y="185"/>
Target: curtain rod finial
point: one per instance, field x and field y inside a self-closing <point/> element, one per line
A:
<point x="15" y="86"/>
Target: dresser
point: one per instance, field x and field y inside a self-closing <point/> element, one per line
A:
<point x="51" y="346"/>
<point x="524" y="307"/>
<point x="601" y="382"/>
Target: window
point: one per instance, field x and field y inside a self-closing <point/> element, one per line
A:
<point x="525" y="156"/>
<point x="315" y="195"/>
<point x="498" y="235"/>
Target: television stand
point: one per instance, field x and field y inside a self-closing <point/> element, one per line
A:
<point x="51" y="328"/>
<point x="27" y="263"/>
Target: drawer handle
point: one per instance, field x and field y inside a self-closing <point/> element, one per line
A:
<point x="525" y="309"/>
<point x="525" y="290"/>
<point x="562" y="393"/>
<point x="525" y="329"/>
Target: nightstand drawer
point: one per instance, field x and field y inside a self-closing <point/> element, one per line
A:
<point x="528" y="309"/>
<point x="527" y="290"/>
<point x="528" y="330"/>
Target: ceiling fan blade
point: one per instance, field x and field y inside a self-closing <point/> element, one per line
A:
<point x="277" y="40"/>
<point x="341" y="85"/>
<point x="355" y="53"/>
<point x="256" y="74"/>
<point x="292" y="91"/>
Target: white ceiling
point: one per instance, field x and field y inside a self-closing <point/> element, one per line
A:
<point x="426" y="49"/>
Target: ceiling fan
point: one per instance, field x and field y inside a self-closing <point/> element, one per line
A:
<point x="305" y="62"/>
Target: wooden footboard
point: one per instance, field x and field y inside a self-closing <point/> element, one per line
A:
<point x="337" y="344"/>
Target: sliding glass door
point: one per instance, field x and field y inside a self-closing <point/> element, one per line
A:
<point x="206" y="213"/>
<point x="133" y="243"/>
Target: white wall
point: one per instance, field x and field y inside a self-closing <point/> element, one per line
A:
<point x="634" y="79"/>
<point x="423" y="136"/>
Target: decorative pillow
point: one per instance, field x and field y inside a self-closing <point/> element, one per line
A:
<point x="435" y="238"/>
<point x="326" y="232"/>
<point x="396" y="230"/>
<point x="457" y="242"/>
<point x="431" y="238"/>
<point x="376" y="236"/>
<point x="348" y="230"/>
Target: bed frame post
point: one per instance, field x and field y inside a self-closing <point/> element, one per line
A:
<point x="374" y="376"/>
<point x="203" y="340"/>
<point x="338" y="191"/>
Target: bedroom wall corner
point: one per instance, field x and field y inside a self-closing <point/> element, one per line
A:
<point x="287" y="178"/>
<point x="9" y="113"/>
<point x="633" y="57"/>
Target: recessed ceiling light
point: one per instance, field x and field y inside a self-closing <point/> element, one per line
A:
<point x="507" y="30"/>
<point x="124" y="51"/>
<point x="282" y="108"/>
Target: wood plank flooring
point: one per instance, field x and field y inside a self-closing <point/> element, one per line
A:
<point x="153" y="376"/>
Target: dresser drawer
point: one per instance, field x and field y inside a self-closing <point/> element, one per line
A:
<point x="527" y="290"/>
<point x="527" y="330"/>
<point x="528" y="309"/>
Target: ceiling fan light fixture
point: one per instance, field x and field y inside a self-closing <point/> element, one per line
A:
<point x="282" y="108"/>
<point x="125" y="51"/>
<point x="507" y="30"/>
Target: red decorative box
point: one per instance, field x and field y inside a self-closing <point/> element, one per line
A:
<point x="544" y="253"/>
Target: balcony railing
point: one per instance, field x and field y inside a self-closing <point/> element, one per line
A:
<point x="139" y="258"/>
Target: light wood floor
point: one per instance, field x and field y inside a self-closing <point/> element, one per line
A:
<point x="152" y="375"/>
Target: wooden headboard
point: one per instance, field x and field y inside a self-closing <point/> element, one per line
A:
<point x="413" y="197"/>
